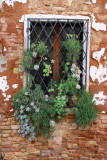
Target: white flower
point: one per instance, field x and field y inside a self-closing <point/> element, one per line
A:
<point x="78" y="77"/>
<point x="36" y="67"/>
<point x="79" y="71"/>
<point x="29" y="138"/>
<point x="52" y="123"/>
<point x="21" y="107"/>
<point x="45" y="58"/>
<point x="21" y="111"/>
<point x="63" y="98"/>
<point x="26" y="93"/>
<point x="74" y="66"/>
<point x="72" y="69"/>
<point x="21" y="117"/>
<point x="16" y="113"/>
<point x="26" y="120"/>
<point x="78" y="86"/>
<point x="52" y="61"/>
<point x="19" y="131"/>
<point x="73" y="75"/>
<point x="27" y="128"/>
<point x="17" y="100"/>
<point x="32" y="128"/>
<point x="46" y="97"/>
<point x="35" y="107"/>
<point x="24" y="116"/>
<point x="103" y="112"/>
<point x="37" y="110"/>
<point x="28" y="109"/>
<point x="32" y="103"/>
<point x="34" y="54"/>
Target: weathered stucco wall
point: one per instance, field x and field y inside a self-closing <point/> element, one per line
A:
<point x="70" y="142"/>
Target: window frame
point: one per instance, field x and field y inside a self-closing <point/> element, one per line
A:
<point x="86" y="46"/>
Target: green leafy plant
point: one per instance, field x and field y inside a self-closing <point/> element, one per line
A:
<point x="47" y="70"/>
<point x="73" y="48"/>
<point x="42" y="49"/>
<point x="33" y="56"/>
<point x="34" y="111"/>
<point x="85" y="110"/>
<point x="37" y="111"/>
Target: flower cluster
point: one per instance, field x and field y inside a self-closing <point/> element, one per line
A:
<point x="52" y="123"/>
<point x="76" y="73"/>
<point x="36" y="67"/>
<point x="26" y="127"/>
<point x="32" y="112"/>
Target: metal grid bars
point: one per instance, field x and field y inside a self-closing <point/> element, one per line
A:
<point x="53" y="32"/>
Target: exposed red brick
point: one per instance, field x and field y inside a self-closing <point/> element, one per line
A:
<point x="75" y="143"/>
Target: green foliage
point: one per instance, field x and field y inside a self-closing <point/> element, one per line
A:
<point x="47" y="70"/>
<point x="30" y="57"/>
<point x="42" y="49"/>
<point x="85" y="111"/>
<point x="36" y="111"/>
<point x="73" y="48"/>
<point x="27" y="59"/>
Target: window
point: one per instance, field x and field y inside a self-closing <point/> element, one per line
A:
<point x="53" y="31"/>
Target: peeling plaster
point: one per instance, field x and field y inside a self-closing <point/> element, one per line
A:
<point x="22" y="19"/>
<point x="7" y="98"/>
<point x="98" y="54"/>
<point x="3" y="84"/>
<point x="11" y="110"/>
<point x="11" y="2"/>
<point x="5" y="104"/>
<point x="99" y="73"/>
<point x="106" y="6"/>
<point x="100" y="98"/>
<point x="93" y="1"/>
<point x="97" y="25"/>
<point x="104" y="57"/>
<point x="103" y="112"/>
<point x="4" y="94"/>
<point x="4" y="49"/>
<point x="15" y="86"/>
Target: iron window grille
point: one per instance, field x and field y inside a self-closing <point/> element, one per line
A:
<point x="53" y="32"/>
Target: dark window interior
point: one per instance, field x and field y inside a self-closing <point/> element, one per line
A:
<point x="53" y="33"/>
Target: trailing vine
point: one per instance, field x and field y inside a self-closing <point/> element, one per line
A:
<point x="37" y="111"/>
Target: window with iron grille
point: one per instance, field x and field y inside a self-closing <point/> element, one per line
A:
<point x="53" y="32"/>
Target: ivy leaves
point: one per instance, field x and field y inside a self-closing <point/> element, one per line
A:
<point x="47" y="70"/>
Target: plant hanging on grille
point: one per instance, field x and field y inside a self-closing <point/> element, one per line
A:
<point x="37" y="110"/>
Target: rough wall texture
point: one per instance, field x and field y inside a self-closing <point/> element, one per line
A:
<point x="69" y="142"/>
